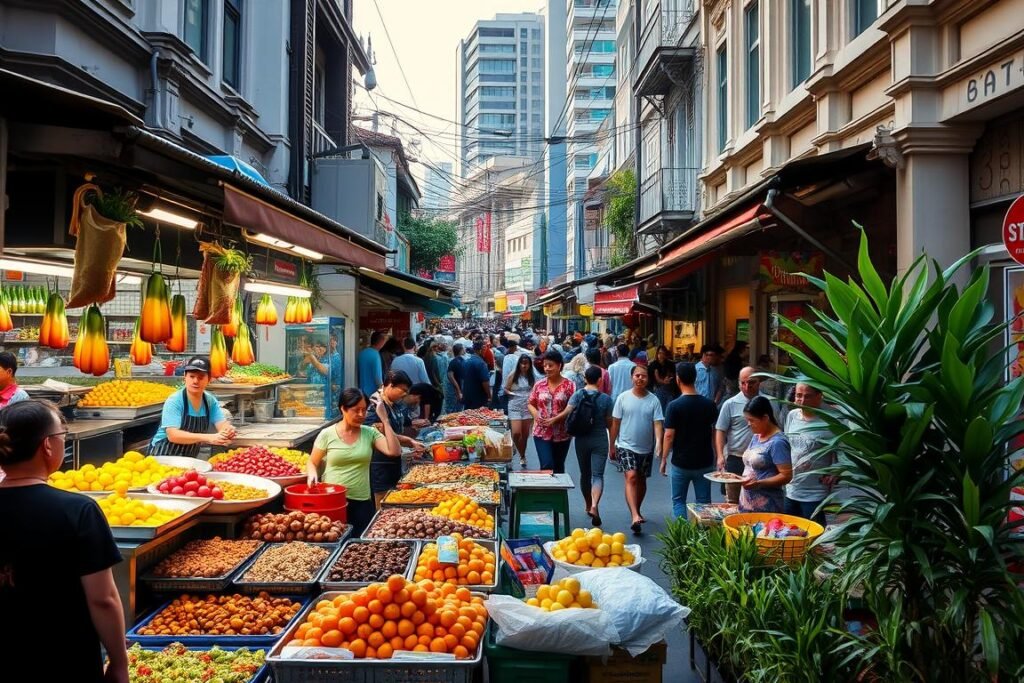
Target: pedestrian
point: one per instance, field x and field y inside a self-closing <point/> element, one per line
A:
<point x="56" y="548"/>
<point x="370" y="364"/>
<point x="429" y="357"/>
<point x="767" y="463"/>
<point x="709" y="381"/>
<point x="594" y="361"/>
<point x="441" y="362"/>
<point x="733" y="432"/>
<point x="574" y="371"/>
<point x="410" y="363"/>
<point x="732" y="365"/>
<point x="808" y="434"/>
<point x="508" y="366"/>
<point x="690" y="438"/>
<point x="518" y="387"/>
<point x="637" y="430"/>
<point x="606" y="346"/>
<point x="391" y="350"/>
<point x="589" y="422"/>
<point x="423" y="404"/>
<point x="499" y="364"/>
<point x="476" y="382"/>
<point x="347" y="448"/>
<point x="620" y="372"/>
<point x="385" y="468"/>
<point x="453" y="380"/>
<point x="663" y="376"/>
<point x="549" y="405"/>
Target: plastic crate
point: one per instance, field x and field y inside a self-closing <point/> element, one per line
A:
<point x="509" y="665"/>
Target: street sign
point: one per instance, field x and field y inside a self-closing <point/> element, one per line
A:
<point x="1013" y="230"/>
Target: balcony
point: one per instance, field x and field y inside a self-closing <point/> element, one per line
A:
<point x="668" y="195"/>
<point x="322" y="142"/>
<point x="660" y="53"/>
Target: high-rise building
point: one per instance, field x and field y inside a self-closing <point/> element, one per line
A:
<point x="552" y="249"/>
<point x="437" y="187"/>
<point x="500" y="90"/>
<point x="590" y="47"/>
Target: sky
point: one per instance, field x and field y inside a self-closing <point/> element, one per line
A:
<point x="425" y="34"/>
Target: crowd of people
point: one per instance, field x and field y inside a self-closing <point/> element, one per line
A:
<point x="622" y="399"/>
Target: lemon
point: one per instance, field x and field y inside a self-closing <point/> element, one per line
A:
<point x="598" y="562"/>
<point x="603" y="550"/>
<point x="586" y="559"/>
<point x="585" y="599"/>
<point x="542" y="592"/>
<point x="555" y="606"/>
<point x="571" y="584"/>
<point x="546" y="603"/>
<point x="619" y="537"/>
<point x="534" y="602"/>
<point x="564" y="597"/>
<point x="578" y="533"/>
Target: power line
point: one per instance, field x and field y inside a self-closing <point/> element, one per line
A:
<point x="387" y="34"/>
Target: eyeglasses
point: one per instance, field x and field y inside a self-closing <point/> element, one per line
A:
<point x="63" y="434"/>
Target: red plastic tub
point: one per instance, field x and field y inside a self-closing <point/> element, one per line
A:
<point x="326" y="499"/>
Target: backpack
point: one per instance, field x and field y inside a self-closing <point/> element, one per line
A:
<point x="583" y="418"/>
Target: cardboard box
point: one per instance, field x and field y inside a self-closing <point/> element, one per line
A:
<point x="621" y="668"/>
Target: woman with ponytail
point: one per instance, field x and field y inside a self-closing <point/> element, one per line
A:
<point x="54" y="545"/>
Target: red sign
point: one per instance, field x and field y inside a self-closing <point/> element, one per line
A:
<point x="778" y="270"/>
<point x="393" y="322"/>
<point x="446" y="264"/>
<point x="616" y="301"/>
<point x="1013" y="230"/>
<point x="483" y="233"/>
<point x="285" y="269"/>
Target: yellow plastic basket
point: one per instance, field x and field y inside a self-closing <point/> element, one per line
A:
<point x="788" y="550"/>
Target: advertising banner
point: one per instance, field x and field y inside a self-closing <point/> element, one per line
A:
<point x="516" y="302"/>
<point x="777" y="269"/>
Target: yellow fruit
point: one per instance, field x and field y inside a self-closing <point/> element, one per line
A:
<point x="619" y="537"/>
<point x="586" y="559"/>
<point x="571" y="584"/>
<point x="573" y="556"/>
<point x="617" y="548"/>
<point x="534" y="602"/>
<point x="578" y="533"/>
<point x="575" y="605"/>
<point x="582" y="544"/>
<point x="603" y="550"/>
<point x="598" y="563"/>
<point x="607" y="538"/>
<point x="555" y="606"/>
<point x="585" y="599"/>
<point x="542" y="592"/>
<point x="564" y="597"/>
<point x="546" y="603"/>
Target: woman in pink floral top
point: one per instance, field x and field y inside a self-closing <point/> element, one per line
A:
<point x="549" y="405"/>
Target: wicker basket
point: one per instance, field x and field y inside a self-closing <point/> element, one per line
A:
<point x="788" y="550"/>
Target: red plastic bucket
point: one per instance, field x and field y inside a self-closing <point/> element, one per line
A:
<point x="318" y="498"/>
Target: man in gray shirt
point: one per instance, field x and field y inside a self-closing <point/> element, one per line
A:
<point x="732" y="435"/>
<point x="807" y="433"/>
<point x="411" y="364"/>
<point x="638" y="426"/>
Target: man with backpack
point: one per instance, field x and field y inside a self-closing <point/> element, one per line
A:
<point x="589" y="422"/>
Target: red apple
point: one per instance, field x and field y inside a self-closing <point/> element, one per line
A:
<point x="191" y="485"/>
<point x="191" y="475"/>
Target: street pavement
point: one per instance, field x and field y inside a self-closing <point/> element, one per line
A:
<point x="615" y="516"/>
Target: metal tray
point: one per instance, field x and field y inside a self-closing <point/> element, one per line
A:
<point x="426" y="668"/>
<point x="133" y="635"/>
<point x="328" y="585"/>
<point x="429" y="540"/>
<point x="191" y="507"/>
<point x="210" y="584"/>
<point x="486" y="543"/>
<point x="283" y="587"/>
<point x="261" y="676"/>
<point x="118" y="412"/>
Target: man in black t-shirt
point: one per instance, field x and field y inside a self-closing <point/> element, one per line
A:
<point x="689" y="436"/>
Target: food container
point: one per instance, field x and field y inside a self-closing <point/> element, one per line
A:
<point x="224" y="507"/>
<point x="133" y="635"/>
<point x="263" y="411"/>
<point x="482" y="532"/>
<point x="633" y="548"/>
<point x="492" y="546"/>
<point x="327" y="585"/>
<point x="196" y="584"/>
<point x="260" y="676"/>
<point x="329" y="500"/>
<point x="284" y="587"/>
<point x="789" y="550"/>
<point x="190" y="507"/>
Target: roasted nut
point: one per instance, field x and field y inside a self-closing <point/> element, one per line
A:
<point x="290" y="562"/>
<point x="214" y="557"/>
<point x="222" y="615"/>
<point x="369" y="562"/>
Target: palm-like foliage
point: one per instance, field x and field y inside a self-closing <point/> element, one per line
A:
<point x="923" y="421"/>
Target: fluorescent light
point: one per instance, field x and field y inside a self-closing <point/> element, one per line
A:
<point x="39" y="268"/>
<point x="272" y="241"/>
<point x="170" y="217"/>
<point x="308" y="253"/>
<point x="282" y="290"/>
<point x="130" y="280"/>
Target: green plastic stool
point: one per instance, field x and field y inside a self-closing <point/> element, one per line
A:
<point x="555" y="501"/>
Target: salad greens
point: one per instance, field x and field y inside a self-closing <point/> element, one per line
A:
<point x="177" y="664"/>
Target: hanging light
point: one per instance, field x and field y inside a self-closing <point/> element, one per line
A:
<point x="165" y="216"/>
<point x="41" y="268"/>
<point x="280" y="290"/>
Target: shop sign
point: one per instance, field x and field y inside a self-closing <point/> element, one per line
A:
<point x="1013" y="230"/>
<point x="586" y="311"/>
<point x="778" y="270"/>
<point x="394" y="322"/>
<point x="442" y="276"/>
<point x="990" y="83"/>
<point x="285" y="269"/>
<point x="516" y="302"/>
<point x="500" y="302"/>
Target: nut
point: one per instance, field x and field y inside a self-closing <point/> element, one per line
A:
<point x="214" y="557"/>
<point x="287" y="563"/>
<point x="372" y="561"/>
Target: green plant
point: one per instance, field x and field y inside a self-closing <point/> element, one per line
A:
<point x="620" y="217"/>
<point x="922" y="420"/>
<point x="118" y="205"/>
<point x="430" y="239"/>
<point x="234" y="261"/>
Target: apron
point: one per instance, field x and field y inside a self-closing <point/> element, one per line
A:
<point x="189" y="423"/>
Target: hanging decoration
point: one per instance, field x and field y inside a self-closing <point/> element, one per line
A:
<point x="241" y="351"/>
<point x="53" y="331"/>
<point x="266" y="312"/>
<point x="141" y="352"/>
<point x="91" y="354"/>
<point x="218" y="353"/>
<point x="179" y="325"/>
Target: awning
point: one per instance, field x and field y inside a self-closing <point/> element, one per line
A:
<point x="397" y="281"/>
<point x="249" y="211"/>
<point x="676" y="274"/>
<point x="32" y="100"/>
<point x="616" y="301"/>
<point x="392" y="287"/>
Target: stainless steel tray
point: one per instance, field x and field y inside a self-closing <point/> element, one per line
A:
<point x="191" y="507"/>
<point x="198" y="583"/>
<point x="283" y="587"/>
<point x="118" y="412"/>
<point x="327" y="585"/>
<point x="373" y="521"/>
<point x="486" y="543"/>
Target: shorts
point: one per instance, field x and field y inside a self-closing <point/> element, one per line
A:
<point x="630" y="460"/>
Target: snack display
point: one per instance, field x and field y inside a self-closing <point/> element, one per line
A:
<point x="293" y="526"/>
<point x="479" y="417"/>
<point x="365" y="562"/>
<point x="257" y="461"/>
<point x="436" y="474"/>
<point x="593" y="548"/>
<point x="399" y="523"/>
<point x="566" y="594"/>
<point x="121" y="510"/>
<point x="226" y="615"/>
<point x="294" y="562"/>
<point x="177" y="663"/>
<point x="295" y="457"/>
<point x="131" y="471"/>
<point x="480" y="492"/>
<point x="463" y="509"/>
<point x="256" y="373"/>
<point x="776" y="528"/>
<point x="476" y="566"/>
<point x="125" y="393"/>
<point x="205" y="558"/>
<point x="417" y="496"/>
<point x="191" y="483"/>
<point x="377" y="621"/>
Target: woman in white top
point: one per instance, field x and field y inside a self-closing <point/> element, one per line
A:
<point x="574" y="370"/>
<point x="518" y="386"/>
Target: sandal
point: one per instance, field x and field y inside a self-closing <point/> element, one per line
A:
<point x="522" y="461"/>
<point x="637" y="529"/>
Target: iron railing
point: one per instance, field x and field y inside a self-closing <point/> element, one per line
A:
<point x="664" y="28"/>
<point x="322" y="142"/>
<point x="668" y="190"/>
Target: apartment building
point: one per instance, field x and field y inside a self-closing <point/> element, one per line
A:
<point x="437" y="187"/>
<point x="500" y="89"/>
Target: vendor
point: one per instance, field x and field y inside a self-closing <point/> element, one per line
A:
<point x="183" y="431"/>
<point x="10" y="392"/>
<point x="316" y="364"/>
<point x="386" y="469"/>
<point x="424" y="404"/>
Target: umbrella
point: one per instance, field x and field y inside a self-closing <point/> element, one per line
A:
<point x="238" y="166"/>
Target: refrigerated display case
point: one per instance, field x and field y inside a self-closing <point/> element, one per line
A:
<point x="314" y="357"/>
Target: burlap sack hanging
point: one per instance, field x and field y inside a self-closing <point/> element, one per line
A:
<point x="98" y="250"/>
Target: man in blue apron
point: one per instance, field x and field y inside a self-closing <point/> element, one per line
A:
<point x="188" y="414"/>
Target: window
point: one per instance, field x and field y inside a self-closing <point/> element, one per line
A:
<point x="604" y="69"/>
<point x="498" y="120"/>
<point x="864" y="14"/>
<point x="524" y="62"/>
<point x="722" y="65"/>
<point x="497" y="91"/>
<point x="497" y="78"/>
<point x="800" y="24"/>
<point x="197" y="17"/>
<point x="232" y="48"/>
<point x="497" y="49"/>
<point x="753" y="65"/>
<point x="497" y="66"/>
<point x="496" y="33"/>
<point x="595" y="47"/>
<point x="522" y="33"/>
<point x="500" y="104"/>
<point x="535" y="33"/>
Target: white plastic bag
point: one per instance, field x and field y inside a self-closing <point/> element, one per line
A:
<point x="641" y="611"/>
<point x="567" y="631"/>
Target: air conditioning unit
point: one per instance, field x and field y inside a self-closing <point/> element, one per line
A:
<point x="352" y="192"/>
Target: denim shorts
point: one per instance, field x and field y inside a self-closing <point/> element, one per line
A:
<point x="630" y="460"/>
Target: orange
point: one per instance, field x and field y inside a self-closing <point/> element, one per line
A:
<point x="371" y="653"/>
<point x="314" y="633"/>
<point x="420" y="648"/>
<point x="462" y="570"/>
<point x="392" y="611"/>
<point x="359" y="599"/>
<point x="487" y="578"/>
<point x="457" y="630"/>
<point x="389" y="630"/>
<point x="425" y="640"/>
<point x="361" y="614"/>
<point x="440" y="631"/>
<point x="375" y="606"/>
<point x="460" y="652"/>
<point x="314" y="618"/>
<point x="469" y="642"/>
<point x="311" y="642"/>
<point x="375" y="640"/>
<point x="448" y="617"/>
<point x="451" y="573"/>
<point x="407" y="609"/>
<point x="375" y="621"/>
<point x="358" y="647"/>
<point x="364" y="631"/>
<point x="340" y="600"/>
<point x="396" y="582"/>
<point x="478" y="627"/>
<point x="411" y="642"/>
<point x="406" y="628"/>
<point x="385" y="651"/>
<point x="385" y="595"/>
<point x="425" y="630"/>
<point x="301" y="631"/>
<point x="474" y="579"/>
<point x="463" y="594"/>
<point x="450" y="642"/>
<point x="323" y="603"/>
<point x="295" y="642"/>
<point x="401" y="596"/>
<point x="331" y="639"/>
<point x="464" y="621"/>
<point x="346" y="608"/>
<point x="347" y="625"/>
<point x="418" y="618"/>
<point x="329" y="623"/>
<point x="438" y="645"/>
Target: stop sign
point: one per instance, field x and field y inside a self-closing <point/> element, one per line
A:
<point x="1013" y="230"/>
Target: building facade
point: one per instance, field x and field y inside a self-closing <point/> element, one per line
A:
<point x="437" y="188"/>
<point x="500" y="90"/>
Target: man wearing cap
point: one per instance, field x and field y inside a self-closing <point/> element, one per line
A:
<point x="188" y="414"/>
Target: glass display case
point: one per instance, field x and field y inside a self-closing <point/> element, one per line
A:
<point x="314" y="358"/>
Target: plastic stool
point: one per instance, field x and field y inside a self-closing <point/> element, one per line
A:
<point x="555" y="501"/>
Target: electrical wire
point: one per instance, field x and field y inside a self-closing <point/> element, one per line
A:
<point x="387" y="34"/>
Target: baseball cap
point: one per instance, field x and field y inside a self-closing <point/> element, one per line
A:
<point x="198" y="364"/>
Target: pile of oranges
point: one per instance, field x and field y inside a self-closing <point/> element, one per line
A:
<point x="384" y="618"/>
<point x="120" y="392"/>
<point x="466" y="510"/>
<point x="475" y="568"/>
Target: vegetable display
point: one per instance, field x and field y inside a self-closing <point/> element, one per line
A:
<point x="436" y="474"/>
<point x="218" y="353"/>
<point x="298" y="310"/>
<point x="230" y="329"/>
<point x="177" y="663"/>
<point x="196" y="485"/>
<point x="292" y="455"/>
<point x="5" y="312"/>
<point x="141" y="352"/>
<point x="241" y="351"/>
<point x="258" y="461"/>
<point x="179" y="325"/>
